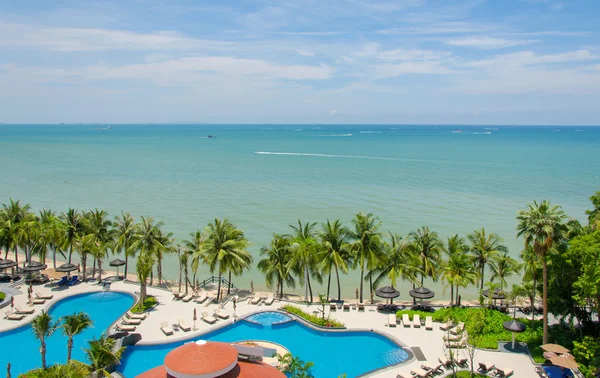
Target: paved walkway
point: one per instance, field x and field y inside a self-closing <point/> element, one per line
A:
<point x="171" y="310"/>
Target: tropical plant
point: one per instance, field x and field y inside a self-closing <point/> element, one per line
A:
<point x="367" y="246"/>
<point x="168" y="247"/>
<point x="274" y="265"/>
<point x="147" y="240"/>
<point x="397" y="261"/>
<point x="73" y="325"/>
<point x="43" y="327"/>
<point x="144" y="265"/>
<point x="195" y="249"/>
<point x="483" y="248"/>
<point x="124" y="235"/>
<point x="427" y="245"/>
<point x="299" y="369"/>
<point x="101" y="354"/>
<point x="457" y="269"/>
<point x="99" y="235"/>
<point x="12" y="216"/>
<point x="302" y="261"/>
<point x="530" y="266"/>
<point x="225" y="247"/>
<point x="50" y="236"/>
<point x="335" y="253"/>
<point x="72" y="228"/>
<point x="503" y="266"/>
<point x="541" y="226"/>
<point x="594" y="214"/>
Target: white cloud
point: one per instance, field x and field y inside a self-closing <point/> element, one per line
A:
<point x="305" y="52"/>
<point x="530" y="58"/>
<point x="409" y="68"/>
<point x="490" y="43"/>
<point x="450" y="27"/>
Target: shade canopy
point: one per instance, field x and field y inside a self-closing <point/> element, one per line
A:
<point x="35" y="266"/>
<point x="387" y="292"/>
<point x="67" y="268"/>
<point x="496" y="294"/>
<point x="421" y="293"/>
<point x="554" y="348"/>
<point x="564" y="362"/>
<point x="117" y="262"/>
<point x="5" y="264"/>
<point x="514" y="326"/>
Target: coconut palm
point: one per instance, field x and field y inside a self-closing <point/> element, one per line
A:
<point x="594" y="214"/>
<point x="457" y="269"/>
<point x="503" y="266"/>
<point x="73" y="325"/>
<point x="427" y="245"/>
<point x="483" y="248"/>
<point x="72" y="227"/>
<point x="304" y="247"/>
<point x="195" y="249"/>
<point x="274" y="265"/>
<point x="148" y="239"/>
<point x="12" y="215"/>
<point x="336" y="252"/>
<point x="101" y="354"/>
<point x="144" y="265"/>
<point x="168" y="247"/>
<point x="28" y="234"/>
<point x="43" y="327"/>
<point x="225" y="247"/>
<point x="237" y="263"/>
<point x="398" y="261"/>
<point x="50" y="236"/>
<point x="542" y="227"/>
<point x="531" y="265"/>
<point x="367" y="246"/>
<point x="124" y="235"/>
<point x="99" y="235"/>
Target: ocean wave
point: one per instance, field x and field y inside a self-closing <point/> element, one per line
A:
<point x="490" y="128"/>
<point x="326" y="155"/>
<point x="334" y="135"/>
<point x="578" y="130"/>
<point x="298" y="130"/>
<point x="370" y="132"/>
<point x="483" y="133"/>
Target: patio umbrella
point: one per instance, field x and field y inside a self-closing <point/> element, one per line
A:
<point x="387" y="292"/>
<point x="5" y="264"/>
<point x="554" y="348"/>
<point x="496" y="294"/>
<point x="35" y="266"/>
<point x="66" y="268"/>
<point x="421" y="293"/>
<point x="52" y="274"/>
<point x="117" y="263"/>
<point x="564" y="363"/>
<point x="514" y="326"/>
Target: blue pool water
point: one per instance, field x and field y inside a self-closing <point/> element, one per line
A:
<point x="268" y="318"/>
<point x="333" y="353"/>
<point x="557" y="372"/>
<point x="21" y="348"/>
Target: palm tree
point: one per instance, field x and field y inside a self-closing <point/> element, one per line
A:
<point x="225" y="247"/>
<point x="457" y="269"/>
<point x="503" y="266"/>
<point x="11" y="218"/>
<point x="168" y="246"/>
<point x="541" y="226"/>
<point x="125" y="232"/>
<point x="43" y="327"/>
<point x="237" y="263"/>
<point x="99" y="234"/>
<point x="101" y="354"/>
<point x="73" y="227"/>
<point x="594" y="214"/>
<point x="195" y="248"/>
<point x="144" y="265"/>
<point x="28" y="234"/>
<point x="398" y="261"/>
<point x="336" y="252"/>
<point x="367" y="245"/>
<point x="274" y="265"/>
<point x="427" y="245"/>
<point x="303" y="255"/>
<point x="72" y="326"/>
<point x="183" y="267"/>
<point x="51" y="231"/>
<point x="483" y="248"/>
<point x="530" y="266"/>
<point x="148" y="239"/>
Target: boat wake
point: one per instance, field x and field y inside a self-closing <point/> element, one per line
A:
<point x="335" y="135"/>
<point x="326" y="155"/>
<point x="370" y="132"/>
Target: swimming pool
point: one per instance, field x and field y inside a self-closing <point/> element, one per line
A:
<point x="21" y="348"/>
<point x="333" y="353"/>
<point x="268" y="318"/>
<point x="557" y="372"/>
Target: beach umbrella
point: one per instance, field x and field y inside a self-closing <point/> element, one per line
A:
<point x="35" y="266"/>
<point x="564" y="363"/>
<point x="496" y="294"/>
<point x="66" y="268"/>
<point x="554" y="348"/>
<point x="387" y="292"/>
<point x="6" y="264"/>
<point x="514" y="327"/>
<point x="117" y="263"/>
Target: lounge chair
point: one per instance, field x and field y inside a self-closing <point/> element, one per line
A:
<point x="269" y="300"/>
<point x="208" y="318"/>
<point x="38" y="301"/>
<point x="73" y="281"/>
<point x="125" y="327"/>
<point x="392" y="320"/>
<point x="429" y="323"/>
<point x="176" y="294"/>
<point x="457" y="344"/>
<point x="418" y="372"/>
<point x="221" y="314"/>
<point x="131" y="321"/>
<point x="405" y="320"/>
<point x="461" y="360"/>
<point x="332" y="307"/>
<point x="131" y="315"/>
<point x="256" y="300"/>
<point x="446" y="326"/>
<point x="23" y="312"/>
<point x="458" y="329"/>
<point x="433" y="369"/>
<point x="404" y="375"/>
<point x="188" y="297"/>
<point x="346" y="307"/>
<point x="47" y="296"/>
<point x="361" y="307"/>
<point x="201" y="298"/>
<point x="485" y="367"/>
<point x="445" y="361"/>
<point x="504" y="372"/>
<point x="166" y="328"/>
<point x="183" y="325"/>
<point x="11" y="316"/>
<point x="453" y="337"/>
<point x="416" y="321"/>
<point x="62" y="281"/>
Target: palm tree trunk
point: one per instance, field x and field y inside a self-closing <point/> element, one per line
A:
<point x="94" y="267"/>
<point x="186" y="277"/>
<point x="545" y="297"/>
<point x="328" y="283"/>
<point x="457" y="296"/>
<point x="371" y="285"/>
<point x="219" y="288"/>
<point x="70" y="252"/>
<point x="280" y="287"/>
<point x="533" y="300"/>
<point x="99" y="270"/>
<point x="180" y="271"/>
<point x="69" y="348"/>
<point x="451" y="295"/>
<point x="43" y="353"/>
<point x="151" y="276"/>
<point x="482" y="275"/>
<point x="362" y="275"/>
<point x="17" y="254"/>
<point x="84" y="263"/>
<point x="306" y="283"/>
<point x="54" y="258"/>
<point x="310" y="290"/>
<point x="159" y="270"/>
<point x="229" y="284"/>
<point x="337" y="274"/>
<point x="142" y="291"/>
<point x="126" y="265"/>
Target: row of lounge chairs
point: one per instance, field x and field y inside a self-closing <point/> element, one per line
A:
<point x="188" y="297"/>
<point x="426" y="370"/>
<point x="491" y="370"/>
<point x="258" y="298"/>
<point x="205" y="316"/>
<point x="67" y="281"/>
<point x="416" y="322"/>
<point x="18" y="314"/>
<point x="130" y="321"/>
<point x="347" y="306"/>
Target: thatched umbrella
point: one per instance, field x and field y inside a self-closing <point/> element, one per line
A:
<point x="421" y="293"/>
<point x="564" y="362"/>
<point x="67" y="268"/>
<point x="117" y="263"/>
<point x="35" y="266"/>
<point x="554" y="348"/>
<point x="513" y="327"/>
<point x="6" y="264"/>
<point x="387" y="292"/>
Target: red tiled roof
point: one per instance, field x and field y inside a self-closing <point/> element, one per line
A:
<point x="201" y="359"/>
<point x="241" y="370"/>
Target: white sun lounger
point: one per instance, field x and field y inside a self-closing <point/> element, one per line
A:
<point x="221" y="314"/>
<point x="405" y="320"/>
<point x="458" y="329"/>
<point x="125" y="327"/>
<point x="433" y="369"/>
<point x="332" y="307"/>
<point x="269" y="300"/>
<point x="12" y="316"/>
<point x="404" y="375"/>
<point x="47" y="296"/>
<point x="446" y="326"/>
<point x="166" y="328"/>
<point x="504" y="372"/>
<point x="38" y="301"/>
<point x="183" y="325"/>
<point x="420" y="372"/>
<point x="201" y="298"/>
<point x="392" y="320"/>
<point x="131" y="321"/>
<point x="187" y="298"/>
<point x="208" y="318"/>
<point x="131" y="315"/>
<point x="23" y="312"/>
<point x="445" y="361"/>
<point x="256" y="300"/>
<point x="416" y="321"/>
<point x="484" y="367"/>
<point x="429" y="323"/>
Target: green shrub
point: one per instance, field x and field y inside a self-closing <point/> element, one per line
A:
<point x="2" y="296"/>
<point x="314" y="319"/>
<point x="148" y="304"/>
<point x="73" y="369"/>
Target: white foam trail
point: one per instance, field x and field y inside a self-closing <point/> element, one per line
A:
<point x="325" y="155"/>
<point x="335" y="135"/>
<point x="370" y="132"/>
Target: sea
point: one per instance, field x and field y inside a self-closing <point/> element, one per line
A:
<point x="263" y="178"/>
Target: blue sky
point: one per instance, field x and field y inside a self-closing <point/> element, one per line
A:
<point x="301" y="61"/>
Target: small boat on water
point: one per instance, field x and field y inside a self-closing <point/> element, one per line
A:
<point x="457" y="131"/>
<point x="211" y="137"/>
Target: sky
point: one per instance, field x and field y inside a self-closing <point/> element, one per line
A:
<point x="301" y="61"/>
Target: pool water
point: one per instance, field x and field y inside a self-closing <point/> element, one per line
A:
<point x="557" y="372"/>
<point x="333" y="353"/>
<point x="21" y="348"/>
<point x="268" y="318"/>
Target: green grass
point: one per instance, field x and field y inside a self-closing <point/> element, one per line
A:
<point x="148" y="304"/>
<point x="466" y="374"/>
<point x="314" y="319"/>
<point x="2" y="296"/>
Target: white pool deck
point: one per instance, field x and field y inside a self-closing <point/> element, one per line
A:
<point x="170" y="310"/>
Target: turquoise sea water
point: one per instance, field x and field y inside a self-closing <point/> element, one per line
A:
<point x="265" y="177"/>
<point x="21" y="348"/>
